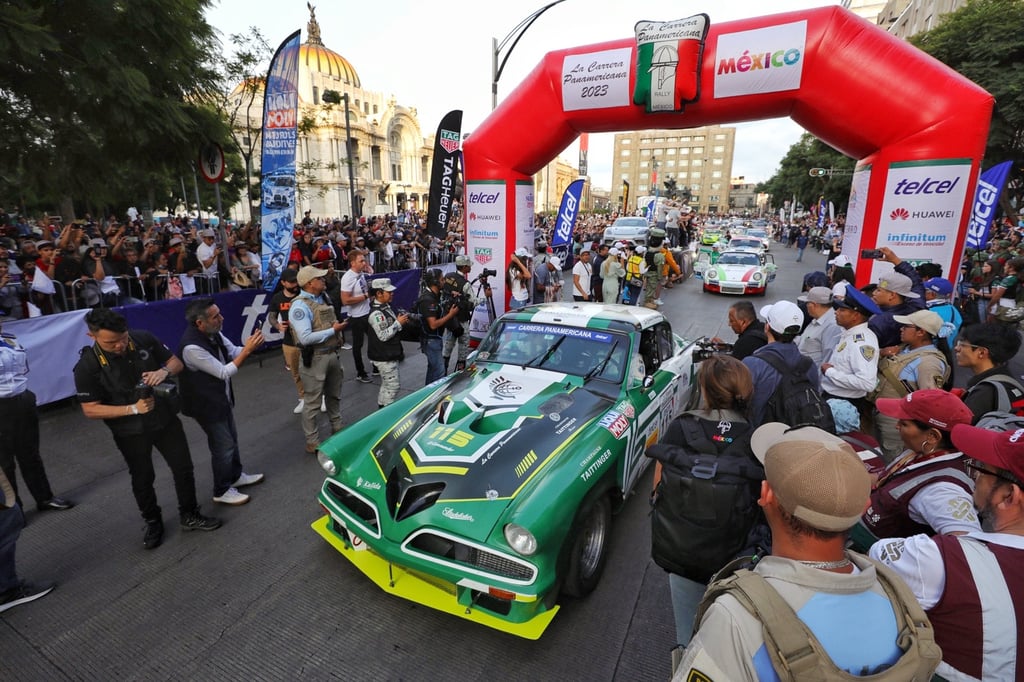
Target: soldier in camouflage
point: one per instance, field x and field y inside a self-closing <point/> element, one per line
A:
<point x="385" y="340"/>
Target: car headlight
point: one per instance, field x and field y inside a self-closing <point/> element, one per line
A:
<point x="520" y="539"/>
<point x="757" y="276"/>
<point x="327" y="463"/>
<point x="712" y="274"/>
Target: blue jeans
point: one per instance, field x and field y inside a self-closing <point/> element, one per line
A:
<point x="433" y="348"/>
<point x="686" y="596"/>
<point x="11" y="523"/>
<point x="225" y="458"/>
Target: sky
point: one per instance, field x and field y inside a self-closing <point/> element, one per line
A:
<point x="400" y="48"/>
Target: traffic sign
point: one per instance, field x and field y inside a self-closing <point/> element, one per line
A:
<point x="211" y="163"/>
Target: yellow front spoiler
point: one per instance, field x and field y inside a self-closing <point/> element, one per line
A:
<point x="406" y="584"/>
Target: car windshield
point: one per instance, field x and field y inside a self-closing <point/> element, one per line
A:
<point x="590" y="353"/>
<point x="745" y="243"/>
<point x="630" y="222"/>
<point x="739" y="259"/>
<point x="760" y="234"/>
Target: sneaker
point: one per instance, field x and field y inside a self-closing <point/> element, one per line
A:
<point x="346" y="346"/>
<point x="298" y="408"/>
<point x="323" y="404"/>
<point x="154" y="534"/>
<point x="232" y="496"/>
<point x="247" y="479"/>
<point x="375" y="372"/>
<point x="364" y="379"/>
<point x="55" y="504"/>
<point x="23" y="594"/>
<point x="196" y="521"/>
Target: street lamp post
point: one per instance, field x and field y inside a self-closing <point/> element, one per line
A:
<point x="514" y="35"/>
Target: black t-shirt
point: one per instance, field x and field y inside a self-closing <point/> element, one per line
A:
<point x="279" y="305"/>
<point x="750" y="339"/>
<point x="430" y="306"/>
<point x="115" y="382"/>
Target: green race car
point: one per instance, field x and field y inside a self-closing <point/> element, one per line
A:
<point x="490" y="492"/>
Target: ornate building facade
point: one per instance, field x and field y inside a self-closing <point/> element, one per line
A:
<point x="391" y="158"/>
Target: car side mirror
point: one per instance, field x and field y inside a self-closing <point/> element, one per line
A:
<point x="648" y="382"/>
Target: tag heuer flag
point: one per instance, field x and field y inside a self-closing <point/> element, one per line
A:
<point x="668" y="62"/>
<point x="444" y="173"/>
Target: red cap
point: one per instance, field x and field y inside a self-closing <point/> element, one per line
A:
<point x="1001" y="449"/>
<point x="941" y="409"/>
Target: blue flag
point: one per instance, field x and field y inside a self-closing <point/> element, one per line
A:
<point x="649" y="213"/>
<point x="821" y="212"/>
<point x="986" y="199"/>
<point x="280" y="118"/>
<point x="567" y="213"/>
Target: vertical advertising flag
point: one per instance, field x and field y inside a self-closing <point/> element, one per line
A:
<point x="443" y="173"/>
<point x="821" y="212"/>
<point x="625" y="198"/>
<point x="584" y="150"/>
<point x="277" y="179"/>
<point x="561" y="240"/>
<point x="986" y="199"/>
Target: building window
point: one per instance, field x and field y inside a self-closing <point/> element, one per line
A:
<point x="659" y="140"/>
<point x="424" y="169"/>
<point x="698" y="138"/>
<point x="684" y="139"/>
<point x="624" y="152"/>
<point x="713" y="197"/>
<point x="366" y="108"/>
<point x="645" y="152"/>
<point x="641" y="188"/>
<point x="645" y="140"/>
<point x="695" y="175"/>
<point x="716" y="185"/>
<point x="698" y="150"/>
<point x="316" y="95"/>
<point x="684" y="150"/>
<point x="682" y="176"/>
<point x="644" y="164"/>
<point x="671" y="163"/>
<point x="626" y="140"/>
<point x="375" y="166"/>
<point x="716" y="162"/>
<point x="624" y="164"/>
<point x="720" y="136"/>
<point x="718" y="149"/>
<point x="375" y="108"/>
<point x="671" y="151"/>
<point x="696" y="162"/>
<point x="716" y="174"/>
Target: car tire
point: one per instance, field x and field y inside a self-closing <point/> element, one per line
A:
<point x="588" y="549"/>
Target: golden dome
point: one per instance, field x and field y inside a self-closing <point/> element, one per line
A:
<point x="318" y="59"/>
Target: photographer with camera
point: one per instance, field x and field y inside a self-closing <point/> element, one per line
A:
<point x="434" y="322"/>
<point x="517" y="278"/>
<point x="385" y="339"/>
<point x="207" y="396"/>
<point x="122" y="379"/>
<point x="457" y="290"/>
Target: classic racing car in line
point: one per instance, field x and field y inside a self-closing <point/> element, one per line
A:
<point x="489" y="493"/>
<point x="736" y="272"/>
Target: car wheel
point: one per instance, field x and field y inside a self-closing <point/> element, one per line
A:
<point x="589" y="548"/>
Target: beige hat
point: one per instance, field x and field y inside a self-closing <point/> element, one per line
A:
<point x="819" y="295"/>
<point x="816" y="477"/>
<point x="383" y="284"/>
<point x="308" y="273"/>
<point x="927" y="320"/>
<point x="898" y="283"/>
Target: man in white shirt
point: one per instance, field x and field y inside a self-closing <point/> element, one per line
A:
<point x="852" y="371"/>
<point x="581" y="274"/>
<point x="208" y="252"/>
<point x="355" y="301"/>
<point x="821" y="337"/>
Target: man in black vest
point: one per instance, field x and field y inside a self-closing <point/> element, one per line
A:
<point x="116" y="380"/>
<point x="210" y="362"/>
<point x="385" y="339"/>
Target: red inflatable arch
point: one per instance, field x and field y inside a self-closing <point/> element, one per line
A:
<point x="917" y="127"/>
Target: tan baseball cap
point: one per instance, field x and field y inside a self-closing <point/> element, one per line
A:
<point x="308" y="273"/>
<point x="816" y="477"/>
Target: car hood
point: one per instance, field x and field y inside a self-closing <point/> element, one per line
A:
<point x="478" y="441"/>
<point x="733" y="272"/>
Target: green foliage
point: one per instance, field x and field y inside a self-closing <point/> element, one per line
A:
<point x="984" y="41"/>
<point x="793" y="175"/>
<point x="108" y="102"/>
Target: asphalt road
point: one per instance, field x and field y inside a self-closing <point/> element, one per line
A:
<point x="264" y="597"/>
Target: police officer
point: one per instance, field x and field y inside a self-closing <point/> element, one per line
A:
<point x="385" y="339"/>
<point x="115" y="380"/>
<point x="458" y="284"/>
<point x="19" y="428"/>
<point x="316" y="329"/>
<point x="852" y="370"/>
<point x="433" y="323"/>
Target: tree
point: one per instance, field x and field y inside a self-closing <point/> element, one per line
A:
<point x="984" y="41"/>
<point x="793" y="178"/>
<point x="107" y="102"/>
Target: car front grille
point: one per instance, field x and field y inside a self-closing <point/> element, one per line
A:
<point x="464" y="555"/>
<point x="354" y="504"/>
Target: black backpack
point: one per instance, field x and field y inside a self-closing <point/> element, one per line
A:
<point x="705" y="506"/>
<point x="795" y="400"/>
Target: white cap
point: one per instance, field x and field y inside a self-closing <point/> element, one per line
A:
<point x="840" y="261"/>
<point x="556" y="261"/>
<point x="521" y="252"/>
<point x="784" y="317"/>
<point x="641" y="250"/>
<point x="614" y="252"/>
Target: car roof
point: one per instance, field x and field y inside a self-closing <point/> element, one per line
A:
<point x="591" y="315"/>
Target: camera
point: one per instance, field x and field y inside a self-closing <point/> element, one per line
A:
<point x="873" y="254"/>
<point x="704" y="348"/>
<point x="143" y="391"/>
<point x="488" y="273"/>
<point x="164" y="391"/>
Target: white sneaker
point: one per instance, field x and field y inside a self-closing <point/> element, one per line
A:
<point x="232" y="497"/>
<point x="346" y="346"/>
<point x="658" y="301"/>
<point x="298" y="408"/>
<point x="323" y="404"/>
<point x="247" y="479"/>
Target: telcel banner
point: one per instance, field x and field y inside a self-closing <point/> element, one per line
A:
<point x="986" y="199"/>
<point x="280" y="114"/>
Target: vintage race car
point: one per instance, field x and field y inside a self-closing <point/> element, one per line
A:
<point x="490" y="492"/>
<point x="747" y="244"/>
<point x="762" y="234"/>
<point x="628" y="229"/>
<point x="710" y="237"/>
<point x="737" y="272"/>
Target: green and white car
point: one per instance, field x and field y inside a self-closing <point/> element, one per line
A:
<point x="490" y="492"/>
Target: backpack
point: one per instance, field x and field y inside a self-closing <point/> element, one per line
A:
<point x="1009" y="393"/>
<point x="705" y="505"/>
<point x="795" y="400"/>
<point x="794" y="651"/>
<point x="1003" y="422"/>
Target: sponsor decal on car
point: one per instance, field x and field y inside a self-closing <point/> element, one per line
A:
<point x="615" y="422"/>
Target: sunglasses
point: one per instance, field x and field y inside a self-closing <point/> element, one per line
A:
<point x="976" y="469"/>
<point x="960" y="344"/>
